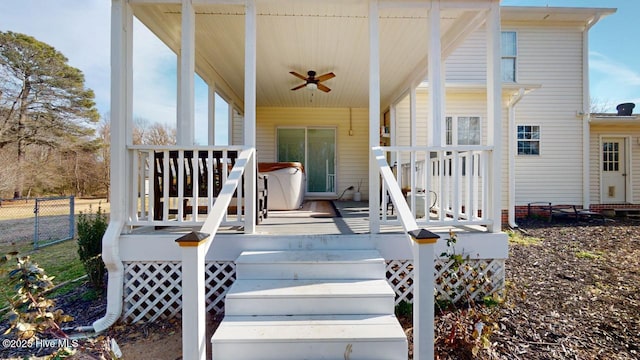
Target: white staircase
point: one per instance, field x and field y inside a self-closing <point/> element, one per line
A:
<point x="315" y="304"/>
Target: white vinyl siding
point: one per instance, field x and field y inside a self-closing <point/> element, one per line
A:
<point x="352" y="151"/>
<point x="468" y="63"/>
<point x="237" y="128"/>
<point x="551" y="57"/>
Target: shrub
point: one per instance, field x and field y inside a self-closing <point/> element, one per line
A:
<point x="32" y="314"/>
<point x="91" y="228"/>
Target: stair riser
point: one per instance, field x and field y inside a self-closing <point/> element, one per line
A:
<point x="361" y="350"/>
<point x="296" y="271"/>
<point x="310" y="305"/>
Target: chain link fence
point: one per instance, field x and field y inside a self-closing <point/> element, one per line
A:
<point x="54" y="221"/>
<point x="43" y="221"/>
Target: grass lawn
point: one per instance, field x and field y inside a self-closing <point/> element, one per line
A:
<point x="59" y="260"/>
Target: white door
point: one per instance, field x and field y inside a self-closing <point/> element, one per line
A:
<point x="614" y="171"/>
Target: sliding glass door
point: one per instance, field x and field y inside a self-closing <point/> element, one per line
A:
<point x="315" y="148"/>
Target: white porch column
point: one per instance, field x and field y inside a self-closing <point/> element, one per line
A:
<point x="186" y="73"/>
<point x="212" y="114"/>
<point x="194" y="319"/>
<point x="436" y="81"/>
<point x="250" y="112"/>
<point x="494" y="114"/>
<point x="121" y="136"/>
<point x="423" y="296"/>
<point x="230" y="124"/>
<point x="374" y="116"/>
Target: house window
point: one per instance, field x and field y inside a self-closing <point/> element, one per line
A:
<point x="509" y="53"/>
<point x="611" y="156"/>
<point x="467" y="133"/>
<point x="467" y="130"/>
<point x="528" y="140"/>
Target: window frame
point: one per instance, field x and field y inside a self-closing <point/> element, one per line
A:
<point x="513" y="57"/>
<point x="529" y="140"/>
<point x="452" y="137"/>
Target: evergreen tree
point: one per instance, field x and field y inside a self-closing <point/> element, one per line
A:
<point x="43" y="100"/>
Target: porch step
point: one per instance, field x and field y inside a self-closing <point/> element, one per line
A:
<point x="318" y="264"/>
<point x="315" y="304"/>
<point x="309" y="297"/>
<point x="310" y="337"/>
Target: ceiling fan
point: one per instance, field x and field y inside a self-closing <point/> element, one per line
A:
<point x="312" y="82"/>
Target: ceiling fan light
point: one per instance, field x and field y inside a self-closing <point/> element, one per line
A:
<point x="312" y="86"/>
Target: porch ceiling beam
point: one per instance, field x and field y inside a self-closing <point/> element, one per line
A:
<point x="466" y="24"/>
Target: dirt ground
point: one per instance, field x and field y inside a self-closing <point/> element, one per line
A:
<point x="573" y="292"/>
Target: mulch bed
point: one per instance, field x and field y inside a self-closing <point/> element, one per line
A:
<point x="573" y="295"/>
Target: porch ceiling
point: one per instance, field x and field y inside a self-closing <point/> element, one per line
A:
<point x="327" y="36"/>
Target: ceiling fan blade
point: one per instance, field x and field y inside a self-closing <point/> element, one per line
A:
<point x="326" y="76"/>
<point x="299" y="87"/>
<point x="301" y="77"/>
<point x="323" y="88"/>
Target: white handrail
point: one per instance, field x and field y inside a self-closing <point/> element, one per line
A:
<point x="219" y="208"/>
<point x="194" y="248"/>
<point x="404" y="213"/>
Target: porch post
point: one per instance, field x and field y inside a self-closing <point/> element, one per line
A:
<point x="186" y="88"/>
<point x="230" y="124"/>
<point x="423" y="304"/>
<point x="374" y="116"/>
<point x="250" y="114"/>
<point x="212" y="114"/>
<point x="194" y="343"/>
<point x="494" y="114"/>
<point x="436" y="82"/>
<point x="121" y="136"/>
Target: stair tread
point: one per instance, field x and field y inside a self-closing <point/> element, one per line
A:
<point x="313" y="256"/>
<point x="310" y="288"/>
<point x="318" y="328"/>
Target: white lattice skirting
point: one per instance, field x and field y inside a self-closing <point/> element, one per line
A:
<point x="152" y="290"/>
<point x="473" y="279"/>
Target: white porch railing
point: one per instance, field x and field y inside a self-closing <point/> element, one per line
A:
<point x="177" y="186"/>
<point x="195" y="245"/>
<point x="422" y="246"/>
<point x="442" y="185"/>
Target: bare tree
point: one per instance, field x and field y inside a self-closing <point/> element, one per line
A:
<point x="599" y="106"/>
<point x="160" y="134"/>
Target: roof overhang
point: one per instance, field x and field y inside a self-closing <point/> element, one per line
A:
<point x="613" y="119"/>
<point x="549" y="15"/>
<point x="325" y="36"/>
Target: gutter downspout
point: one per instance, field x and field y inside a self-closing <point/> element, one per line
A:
<point x="111" y="258"/>
<point x="512" y="156"/>
<point x="121" y="136"/>
<point x="586" y="114"/>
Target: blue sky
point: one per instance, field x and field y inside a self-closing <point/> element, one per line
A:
<point x="80" y="29"/>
